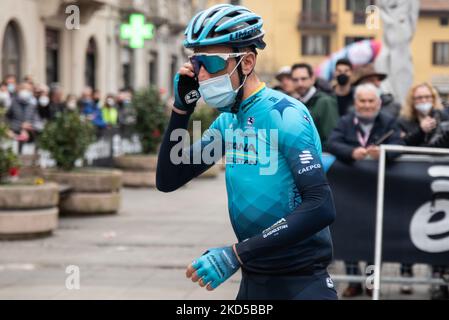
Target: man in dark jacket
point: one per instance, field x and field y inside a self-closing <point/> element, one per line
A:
<point x="357" y="137"/>
<point x="323" y="107"/>
<point x="359" y="134"/>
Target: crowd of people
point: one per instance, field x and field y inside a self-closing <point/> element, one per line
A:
<point x="354" y="117"/>
<point x="28" y="106"/>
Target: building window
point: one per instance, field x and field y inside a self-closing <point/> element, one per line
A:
<point x="316" y="7"/>
<point x="358" y="8"/>
<point x="52" y="55"/>
<point x="153" y="68"/>
<point x="11" y="52"/>
<point x="91" y="64"/>
<point x="350" y="40"/>
<point x="358" y="5"/>
<point x="444" y="21"/>
<point x="127" y="60"/>
<point x="441" y="53"/>
<point x="315" y="45"/>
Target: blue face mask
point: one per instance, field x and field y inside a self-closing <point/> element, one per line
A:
<point x="218" y="92"/>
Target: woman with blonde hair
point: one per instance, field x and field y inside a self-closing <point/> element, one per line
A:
<point x="422" y="115"/>
<point x="425" y="123"/>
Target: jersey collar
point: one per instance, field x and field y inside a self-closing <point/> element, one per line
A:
<point x="249" y="102"/>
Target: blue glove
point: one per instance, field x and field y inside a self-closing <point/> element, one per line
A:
<point x="186" y="93"/>
<point x="216" y="266"/>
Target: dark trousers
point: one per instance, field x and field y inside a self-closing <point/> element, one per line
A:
<point x="315" y="286"/>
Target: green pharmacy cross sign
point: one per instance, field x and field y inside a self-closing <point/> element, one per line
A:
<point x="137" y="31"/>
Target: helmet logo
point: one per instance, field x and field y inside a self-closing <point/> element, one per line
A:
<point x="242" y="34"/>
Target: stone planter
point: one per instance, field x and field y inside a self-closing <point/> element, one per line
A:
<point x="29" y="166"/>
<point x="28" y="210"/>
<point x="139" y="171"/>
<point x="92" y="191"/>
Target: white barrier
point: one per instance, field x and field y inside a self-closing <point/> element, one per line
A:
<point x="380" y="204"/>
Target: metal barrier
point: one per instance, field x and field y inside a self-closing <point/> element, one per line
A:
<point x="380" y="215"/>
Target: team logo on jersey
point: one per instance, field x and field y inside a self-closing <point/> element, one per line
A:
<point x="251" y="121"/>
<point x="305" y="157"/>
<point x="329" y="283"/>
<point x="307" y="119"/>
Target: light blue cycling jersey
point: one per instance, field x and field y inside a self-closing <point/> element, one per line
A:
<point x="273" y="151"/>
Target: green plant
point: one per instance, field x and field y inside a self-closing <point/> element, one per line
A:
<point x="205" y="115"/>
<point x="67" y="138"/>
<point x="151" y="118"/>
<point x="8" y="159"/>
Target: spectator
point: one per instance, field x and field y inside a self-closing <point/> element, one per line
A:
<point x="96" y="96"/>
<point x="56" y="101"/>
<point x="357" y="134"/>
<point x="22" y="116"/>
<point x="343" y="89"/>
<point x="91" y="109"/>
<point x="71" y="104"/>
<point x="109" y="111"/>
<point x="369" y="75"/>
<point x="284" y="77"/>
<point x="425" y="124"/>
<point x="5" y="96"/>
<point x="43" y="102"/>
<point x="357" y="138"/>
<point x="11" y="83"/>
<point x="423" y="120"/>
<point x="322" y="107"/>
<point x="126" y="113"/>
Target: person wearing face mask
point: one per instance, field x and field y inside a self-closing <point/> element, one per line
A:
<point x="423" y="120"/>
<point x="109" y="111"/>
<point x="283" y="243"/>
<point x="343" y="89"/>
<point x="23" y="117"/>
<point x="91" y="109"/>
<point x="71" y="104"/>
<point x="356" y="138"/>
<point x="5" y="97"/>
<point x="424" y="123"/>
<point x="11" y="83"/>
<point x="43" y="102"/>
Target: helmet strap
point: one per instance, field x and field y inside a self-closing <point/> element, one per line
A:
<point x="238" y="100"/>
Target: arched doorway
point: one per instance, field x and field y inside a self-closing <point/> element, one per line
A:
<point x="91" y="64"/>
<point x="12" y="51"/>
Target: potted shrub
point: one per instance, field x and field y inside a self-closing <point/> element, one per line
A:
<point x="92" y="190"/>
<point x="139" y="170"/>
<point x="206" y="116"/>
<point x="28" y="207"/>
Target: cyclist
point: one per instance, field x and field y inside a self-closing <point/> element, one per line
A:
<point x="280" y="216"/>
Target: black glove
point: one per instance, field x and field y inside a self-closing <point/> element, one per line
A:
<point x="186" y="93"/>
